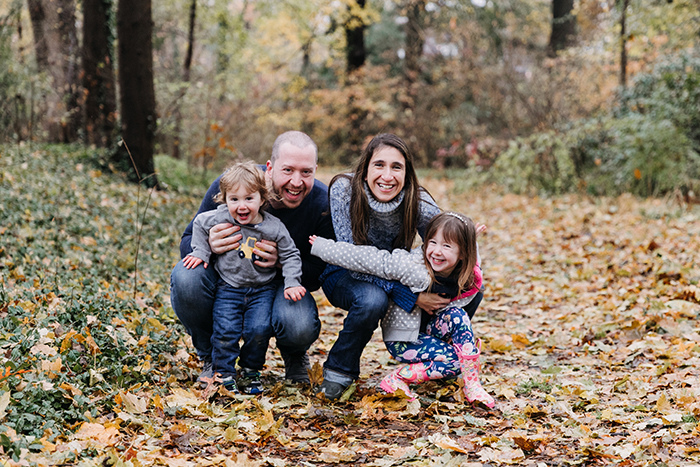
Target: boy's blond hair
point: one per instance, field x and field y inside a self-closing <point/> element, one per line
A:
<point x="246" y="175"/>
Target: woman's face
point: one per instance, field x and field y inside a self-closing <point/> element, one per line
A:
<point x="386" y="173"/>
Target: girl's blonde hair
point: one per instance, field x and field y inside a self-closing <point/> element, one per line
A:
<point x="460" y="230"/>
<point x="246" y="175"/>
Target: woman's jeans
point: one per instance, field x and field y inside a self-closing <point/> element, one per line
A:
<point x="366" y="305"/>
<point x="241" y="312"/>
<point x="192" y="291"/>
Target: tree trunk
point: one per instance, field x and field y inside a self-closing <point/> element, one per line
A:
<point x="186" y="79"/>
<point x="413" y="48"/>
<point x="355" y="38"/>
<point x="356" y="55"/>
<point x="563" y="26"/>
<point x="136" y="92"/>
<point x="98" y="73"/>
<point x="56" y="45"/>
<point x="623" y="44"/>
<point x="41" y="49"/>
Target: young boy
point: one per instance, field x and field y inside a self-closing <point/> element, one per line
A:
<point x="245" y="294"/>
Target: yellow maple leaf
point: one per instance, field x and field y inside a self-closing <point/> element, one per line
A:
<point x="663" y="406"/>
<point x="133" y="403"/>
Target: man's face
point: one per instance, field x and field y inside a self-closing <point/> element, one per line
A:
<point x="292" y="175"/>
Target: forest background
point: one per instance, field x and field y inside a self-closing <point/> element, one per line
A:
<point x="555" y="122"/>
<point x="590" y="95"/>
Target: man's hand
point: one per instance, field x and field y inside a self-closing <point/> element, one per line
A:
<point x="267" y="251"/>
<point x="192" y="262"/>
<point x="431" y="302"/>
<point x="294" y="293"/>
<point x="222" y="238"/>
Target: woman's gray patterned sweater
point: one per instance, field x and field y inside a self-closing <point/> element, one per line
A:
<point x="399" y="265"/>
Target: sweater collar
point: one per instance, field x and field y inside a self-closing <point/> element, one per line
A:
<point x="380" y="206"/>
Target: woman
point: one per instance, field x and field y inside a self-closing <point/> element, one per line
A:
<point x="379" y="204"/>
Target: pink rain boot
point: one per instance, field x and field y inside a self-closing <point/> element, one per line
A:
<point x="400" y="378"/>
<point x="470" y="373"/>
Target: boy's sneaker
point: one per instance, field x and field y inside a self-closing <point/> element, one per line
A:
<point x="229" y="383"/>
<point x="249" y="381"/>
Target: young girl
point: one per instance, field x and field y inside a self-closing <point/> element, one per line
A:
<point x="245" y="293"/>
<point x="444" y="344"/>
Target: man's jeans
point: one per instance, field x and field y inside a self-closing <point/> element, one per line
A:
<point x="192" y="291"/>
<point x="366" y="305"/>
<point x="241" y="313"/>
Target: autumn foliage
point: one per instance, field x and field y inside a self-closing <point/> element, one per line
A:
<point x="589" y="323"/>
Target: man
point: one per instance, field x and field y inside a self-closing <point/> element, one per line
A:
<point x="301" y="203"/>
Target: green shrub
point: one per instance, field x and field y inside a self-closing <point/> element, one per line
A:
<point x="538" y="163"/>
<point x="178" y="175"/>
<point x="671" y="91"/>
<point x="636" y="154"/>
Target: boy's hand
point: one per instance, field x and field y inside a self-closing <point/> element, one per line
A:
<point x="267" y="251"/>
<point x="294" y="293"/>
<point x="312" y="238"/>
<point x="192" y="262"/>
<point x="222" y="238"/>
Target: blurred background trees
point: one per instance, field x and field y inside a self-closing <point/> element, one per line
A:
<point x="535" y="83"/>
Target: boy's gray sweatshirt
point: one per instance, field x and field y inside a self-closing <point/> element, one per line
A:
<point x="399" y="265"/>
<point x="236" y="267"/>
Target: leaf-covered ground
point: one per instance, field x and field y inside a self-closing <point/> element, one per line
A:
<point x="589" y="322"/>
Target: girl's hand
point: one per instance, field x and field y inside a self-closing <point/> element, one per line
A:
<point x="431" y="302"/>
<point x="294" y="293"/>
<point x="267" y="251"/>
<point x="480" y="228"/>
<point x="191" y="262"/>
<point x="222" y="238"/>
<point x="312" y="238"/>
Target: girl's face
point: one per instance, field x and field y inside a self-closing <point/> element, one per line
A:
<point x="441" y="254"/>
<point x="386" y="173"/>
<point x="244" y="206"/>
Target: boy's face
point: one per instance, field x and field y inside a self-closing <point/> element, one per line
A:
<point x="292" y="175"/>
<point x="244" y="206"/>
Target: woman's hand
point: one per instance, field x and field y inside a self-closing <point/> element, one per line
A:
<point x="267" y="251"/>
<point x="192" y="262"/>
<point x="431" y="302"/>
<point x="222" y="238"/>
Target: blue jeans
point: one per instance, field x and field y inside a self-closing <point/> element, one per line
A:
<point x="366" y="305"/>
<point x="241" y="313"/>
<point x="192" y="291"/>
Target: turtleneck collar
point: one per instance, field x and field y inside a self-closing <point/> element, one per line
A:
<point x="380" y="206"/>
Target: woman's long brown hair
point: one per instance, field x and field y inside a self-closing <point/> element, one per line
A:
<point x="359" y="205"/>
